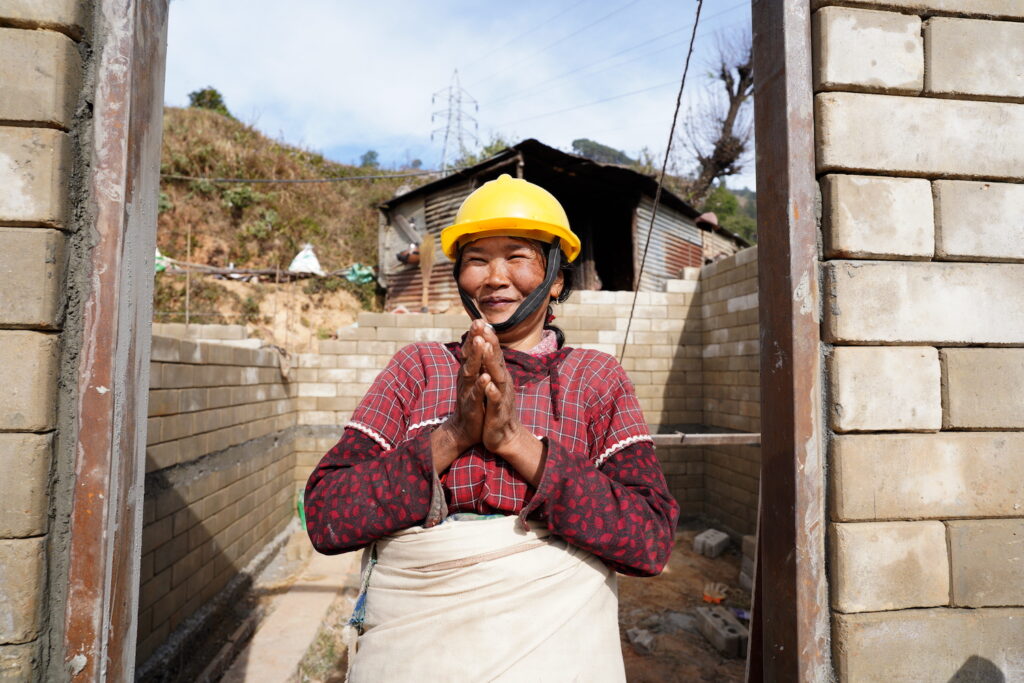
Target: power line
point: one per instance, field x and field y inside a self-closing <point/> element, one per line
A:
<point x="645" y="42"/>
<point x="589" y="104"/>
<point x="454" y="116"/>
<point x="525" y="33"/>
<point x="661" y="179"/>
<point x="283" y="181"/>
<point x="534" y="53"/>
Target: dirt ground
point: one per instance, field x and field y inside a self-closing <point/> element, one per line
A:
<point x="664" y="606"/>
<point x="678" y="654"/>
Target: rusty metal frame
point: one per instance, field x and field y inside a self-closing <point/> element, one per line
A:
<point x="130" y="39"/>
<point x="793" y="620"/>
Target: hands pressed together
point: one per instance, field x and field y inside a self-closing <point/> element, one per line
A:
<point x="485" y="411"/>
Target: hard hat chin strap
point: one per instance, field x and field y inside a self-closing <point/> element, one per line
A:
<point x="534" y="300"/>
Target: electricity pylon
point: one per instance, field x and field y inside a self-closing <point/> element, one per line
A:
<point x="456" y="120"/>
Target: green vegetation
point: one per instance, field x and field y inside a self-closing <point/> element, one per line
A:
<point x="736" y="210"/>
<point x="209" y="98"/>
<point x="603" y="154"/>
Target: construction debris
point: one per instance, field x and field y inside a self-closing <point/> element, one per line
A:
<point x="723" y="630"/>
<point x="711" y="543"/>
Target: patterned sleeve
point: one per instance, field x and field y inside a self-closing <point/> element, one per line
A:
<point x="614" y="417"/>
<point x="374" y="481"/>
<point x="623" y="512"/>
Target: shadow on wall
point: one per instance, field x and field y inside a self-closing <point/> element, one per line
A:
<point x="978" y="670"/>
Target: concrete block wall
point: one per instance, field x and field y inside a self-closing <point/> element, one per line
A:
<point x="220" y="464"/>
<point x="40" y="80"/>
<point x="662" y="357"/>
<point x="917" y="107"/>
<point x="731" y="389"/>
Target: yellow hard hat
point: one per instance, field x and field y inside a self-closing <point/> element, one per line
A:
<point x="510" y="207"/>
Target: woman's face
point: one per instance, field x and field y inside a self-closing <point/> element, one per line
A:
<point x="499" y="272"/>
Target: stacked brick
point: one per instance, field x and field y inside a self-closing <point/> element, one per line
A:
<point x="731" y="389"/>
<point x="919" y="110"/>
<point x="219" y="464"/>
<point x="40" y="79"/>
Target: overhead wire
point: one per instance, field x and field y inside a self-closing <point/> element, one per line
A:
<point x="338" y="179"/>
<point x="525" y="33"/>
<point x="661" y="181"/>
<point x="630" y="48"/>
<point x="533" y="53"/>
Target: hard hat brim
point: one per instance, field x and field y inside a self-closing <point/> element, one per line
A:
<point x="456" y="236"/>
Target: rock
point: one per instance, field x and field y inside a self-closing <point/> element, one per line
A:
<point x="642" y="640"/>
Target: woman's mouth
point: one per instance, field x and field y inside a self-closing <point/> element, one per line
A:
<point x="497" y="303"/>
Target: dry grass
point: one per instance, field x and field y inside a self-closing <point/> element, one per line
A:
<point x="259" y="225"/>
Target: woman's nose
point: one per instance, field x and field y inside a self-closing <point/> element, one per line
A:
<point x="497" y="273"/>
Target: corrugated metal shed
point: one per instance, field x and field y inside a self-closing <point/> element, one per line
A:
<point x="675" y="244"/>
<point x="608" y="206"/>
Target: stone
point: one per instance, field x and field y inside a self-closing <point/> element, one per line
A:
<point x="974" y="57"/>
<point x="896" y="135"/>
<point x="18" y="662"/>
<point x="1007" y="9"/>
<point x="930" y="303"/>
<point x="888" y="565"/>
<point x="722" y="630"/>
<point x="31" y="277"/>
<point x="929" y="645"/>
<point x="641" y="639"/>
<point x="749" y="545"/>
<point x="867" y="50"/>
<point x="710" y="543"/>
<point x="979" y="221"/>
<point x="28" y="373"/>
<point x="987" y="562"/>
<point x="22" y="578"/>
<point x="981" y="388"/>
<point x="873" y="217"/>
<point x="885" y="388"/>
<point x="25" y="503"/>
<point x="35" y="165"/>
<point x="48" y="93"/>
<point x="920" y="476"/>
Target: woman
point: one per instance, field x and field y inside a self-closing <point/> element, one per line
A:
<point x="501" y="481"/>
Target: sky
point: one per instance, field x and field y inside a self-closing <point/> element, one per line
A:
<point x="343" y="77"/>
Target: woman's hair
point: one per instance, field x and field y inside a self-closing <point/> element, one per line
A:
<point x="567" y="269"/>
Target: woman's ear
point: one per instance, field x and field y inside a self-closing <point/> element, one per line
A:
<point x="556" y="288"/>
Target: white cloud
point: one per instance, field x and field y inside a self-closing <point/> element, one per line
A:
<point x="343" y="77"/>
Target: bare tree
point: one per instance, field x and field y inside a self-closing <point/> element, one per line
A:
<point x="719" y="130"/>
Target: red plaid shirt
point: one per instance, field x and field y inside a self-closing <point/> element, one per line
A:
<point x="602" y="488"/>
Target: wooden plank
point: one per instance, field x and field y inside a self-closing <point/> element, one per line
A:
<point x="699" y="440"/>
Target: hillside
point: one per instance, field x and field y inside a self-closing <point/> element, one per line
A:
<point x="261" y="226"/>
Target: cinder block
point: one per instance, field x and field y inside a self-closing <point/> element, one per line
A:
<point x="888" y="565"/>
<point x="987" y="562"/>
<point x="48" y="92"/>
<point x="722" y="630"/>
<point x="35" y="166"/>
<point x="929" y="645"/>
<point x="866" y="50"/>
<point x="974" y="57"/>
<point x="982" y="388"/>
<point x="885" y="388"/>
<point x="31" y="276"/>
<point x="711" y="542"/>
<point x="28" y="373"/>
<point x="1007" y="9"/>
<point x="979" y="221"/>
<point x="23" y="567"/>
<point x="19" y="662"/>
<point x="886" y="134"/>
<point x="25" y="462"/>
<point x="919" y="476"/>
<point x="872" y="217"/>
<point x="69" y="16"/>
<point x="893" y="303"/>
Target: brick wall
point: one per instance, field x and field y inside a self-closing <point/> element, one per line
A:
<point x="918" y="108"/>
<point x="220" y="463"/>
<point x="37" y="120"/>
<point x="731" y="389"/>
